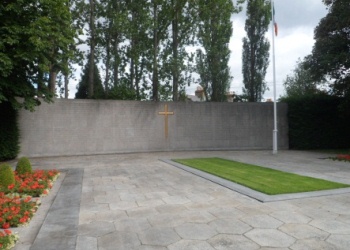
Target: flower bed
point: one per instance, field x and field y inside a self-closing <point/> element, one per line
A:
<point x="17" y="205"/>
<point x="342" y="157"/>
<point x="36" y="184"/>
<point x="7" y="239"/>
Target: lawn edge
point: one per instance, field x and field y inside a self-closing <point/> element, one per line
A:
<point x="253" y="193"/>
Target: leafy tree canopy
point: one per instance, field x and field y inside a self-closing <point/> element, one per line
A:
<point x="35" y="37"/>
<point x="331" y="53"/>
<point x="121" y="92"/>
<point x="300" y="82"/>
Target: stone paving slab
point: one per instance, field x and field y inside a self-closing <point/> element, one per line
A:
<point x="59" y="230"/>
<point x="135" y="201"/>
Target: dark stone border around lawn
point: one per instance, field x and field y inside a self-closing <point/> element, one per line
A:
<point x="252" y="193"/>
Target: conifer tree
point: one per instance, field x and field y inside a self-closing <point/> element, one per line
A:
<point x="83" y="86"/>
<point x="214" y="33"/>
<point x="255" y="58"/>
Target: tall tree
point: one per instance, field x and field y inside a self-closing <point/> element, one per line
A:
<point x="331" y="53"/>
<point x="113" y="19"/>
<point x="139" y="22"/>
<point x="214" y="33"/>
<point x="159" y="33"/>
<point x="61" y="21"/>
<point x="36" y="39"/>
<point x="141" y="45"/>
<point x="157" y="25"/>
<point x="86" y="15"/>
<point x="120" y="35"/>
<point x="255" y="57"/>
<point x="183" y="13"/>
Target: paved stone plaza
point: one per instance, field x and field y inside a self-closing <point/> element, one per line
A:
<point x="136" y="201"/>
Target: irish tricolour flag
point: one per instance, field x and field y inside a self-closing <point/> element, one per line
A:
<point x="274" y="21"/>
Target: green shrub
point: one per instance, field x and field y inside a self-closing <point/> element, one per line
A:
<point x="9" y="132"/>
<point x="317" y="122"/>
<point x="7" y="176"/>
<point x="23" y="166"/>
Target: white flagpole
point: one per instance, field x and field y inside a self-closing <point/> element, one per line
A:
<point x="274" y="142"/>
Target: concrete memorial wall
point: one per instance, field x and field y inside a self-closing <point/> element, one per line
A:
<point x="84" y="127"/>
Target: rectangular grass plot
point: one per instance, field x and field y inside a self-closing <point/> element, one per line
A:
<point x="265" y="180"/>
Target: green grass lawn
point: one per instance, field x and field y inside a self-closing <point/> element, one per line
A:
<point x="265" y="180"/>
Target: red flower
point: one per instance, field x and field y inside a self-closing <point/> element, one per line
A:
<point x="27" y="199"/>
<point x="6" y="225"/>
<point x="344" y="157"/>
<point x="23" y="219"/>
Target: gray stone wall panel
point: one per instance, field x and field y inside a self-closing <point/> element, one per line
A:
<point x="83" y="127"/>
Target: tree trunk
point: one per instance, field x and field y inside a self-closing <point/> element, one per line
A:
<point x="108" y="59"/>
<point x="138" y="77"/>
<point x="92" y="49"/>
<point x="132" y="50"/>
<point x="40" y="81"/>
<point x="132" y="63"/>
<point x="252" y="93"/>
<point x="66" y="82"/>
<point x="52" y="80"/>
<point x="116" y="60"/>
<point x="137" y="82"/>
<point x="175" y="28"/>
<point x="155" y="80"/>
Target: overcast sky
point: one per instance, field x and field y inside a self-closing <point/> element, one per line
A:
<point x="296" y="21"/>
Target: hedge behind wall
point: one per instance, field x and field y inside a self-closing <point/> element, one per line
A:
<point x="9" y="132"/>
<point x="317" y="122"/>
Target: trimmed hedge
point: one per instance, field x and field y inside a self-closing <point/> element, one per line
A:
<point x="317" y="122"/>
<point x="9" y="132"/>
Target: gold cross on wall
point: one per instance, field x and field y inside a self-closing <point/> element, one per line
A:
<point x="165" y="113"/>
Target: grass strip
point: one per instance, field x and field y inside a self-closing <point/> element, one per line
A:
<point x="265" y="180"/>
